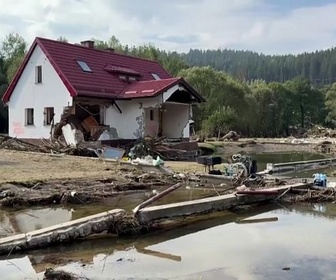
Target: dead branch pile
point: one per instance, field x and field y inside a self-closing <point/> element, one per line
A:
<point x="42" y="146"/>
<point x="127" y="226"/>
<point x="311" y="195"/>
<point x="162" y="148"/>
<point x="51" y="274"/>
<point x="318" y="131"/>
<point x="18" y="195"/>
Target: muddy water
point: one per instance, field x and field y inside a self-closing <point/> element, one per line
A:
<point x="13" y="222"/>
<point x="263" y="159"/>
<point x="301" y="244"/>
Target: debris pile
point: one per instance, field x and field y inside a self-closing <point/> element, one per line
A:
<point x="312" y="195"/>
<point x="52" y="274"/>
<point x="44" y="146"/>
<point x="318" y="131"/>
<point x="163" y="148"/>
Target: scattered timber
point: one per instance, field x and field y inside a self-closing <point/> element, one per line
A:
<point x="156" y="197"/>
<point x="51" y="274"/>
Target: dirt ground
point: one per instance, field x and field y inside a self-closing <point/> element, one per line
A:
<point x="24" y="166"/>
<point x="28" y="179"/>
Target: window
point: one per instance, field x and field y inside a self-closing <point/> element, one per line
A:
<point x="84" y="66"/>
<point x="128" y="78"/>
<point x="151" y="115"/>
<point x="38" y="74"/>
<point x="29" y="115"/>
<point x="156" y="76"/>
<point x="132" y="78"/>
<point x="48" y="115"/>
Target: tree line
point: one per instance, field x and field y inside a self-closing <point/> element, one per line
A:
<point x="319" y="67"/>
<point x="245" y="91"/>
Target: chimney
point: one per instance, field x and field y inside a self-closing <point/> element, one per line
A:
<point x="109" y="50"/>
<point x="88" y="43"/>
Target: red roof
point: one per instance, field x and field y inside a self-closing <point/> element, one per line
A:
<point x="103" y="80"/>
<point x="148" y="88"/>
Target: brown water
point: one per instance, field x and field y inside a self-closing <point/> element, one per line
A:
<point x="217" y="247"/>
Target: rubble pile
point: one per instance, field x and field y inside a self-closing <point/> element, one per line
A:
<point x="320" y="132"/>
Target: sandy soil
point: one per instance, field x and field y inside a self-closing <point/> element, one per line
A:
<point x="24" y="166"/>
<point x="21" y="167"/>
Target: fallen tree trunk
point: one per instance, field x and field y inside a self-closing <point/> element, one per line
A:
<point x="64" y="232"/>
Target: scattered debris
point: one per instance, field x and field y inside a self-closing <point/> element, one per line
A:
<point x="52" y="274"/>
<point x="231" y="136"/>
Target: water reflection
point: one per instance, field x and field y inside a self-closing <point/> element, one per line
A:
<point x="213" y="248"/>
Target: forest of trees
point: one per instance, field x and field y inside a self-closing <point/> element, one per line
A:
<point x="319" y="67"/>
<point x="251" y="93"/>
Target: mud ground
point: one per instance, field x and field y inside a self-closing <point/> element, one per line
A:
<point x="18" y="166"/>
<point x="28" y="179"/>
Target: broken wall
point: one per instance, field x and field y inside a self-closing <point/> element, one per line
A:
<point x="130" y="124"/>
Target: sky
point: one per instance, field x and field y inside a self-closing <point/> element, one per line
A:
<point x="267" y="26"/>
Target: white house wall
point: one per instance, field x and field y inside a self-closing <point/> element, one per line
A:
<point x="131" y="123"/>
<point x="50" y="93"/>
<point x="175" y="120"/>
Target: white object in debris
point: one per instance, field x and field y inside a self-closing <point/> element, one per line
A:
<point x="269" y="166"/>
<point x="331" y="185"/>
<point x="104" y="136"/>
<point x="69" y="135"/>
<point x="158" y="161"/>
<point x="149" y="159"/>
<point x="242" y="188"/>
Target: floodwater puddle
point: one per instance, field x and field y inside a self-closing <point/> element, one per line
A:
<point x="23" y="221"/>
<point x="297" y="242"/>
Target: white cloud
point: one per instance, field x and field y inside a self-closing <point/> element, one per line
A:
<point x="176" y="25"/>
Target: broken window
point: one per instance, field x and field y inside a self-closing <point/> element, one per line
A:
<point x="29" y="115"/>
<point x="84" y="66"/>
<point x="48" y="115"/>
<point x="38" y="74"/>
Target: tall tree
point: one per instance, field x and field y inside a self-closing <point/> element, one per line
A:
<point x="13" y="49"/>
<point x="330" y="103"/>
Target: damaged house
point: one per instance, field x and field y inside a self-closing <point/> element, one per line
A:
<point x="101" y="94"/>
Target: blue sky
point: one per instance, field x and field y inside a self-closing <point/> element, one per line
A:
<point x="268" y="26"/>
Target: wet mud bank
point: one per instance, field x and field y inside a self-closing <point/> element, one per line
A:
<point x="76" y="191"/>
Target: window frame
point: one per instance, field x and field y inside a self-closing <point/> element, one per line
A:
<point x="38" y="74"/>
<point x="29" y="116"/>
<point x="49" y="113"/>
<point x="84" y="66"/>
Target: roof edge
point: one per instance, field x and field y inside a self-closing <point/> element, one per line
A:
<point x="12" y="84"/>
<point x="9" y="91"/>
